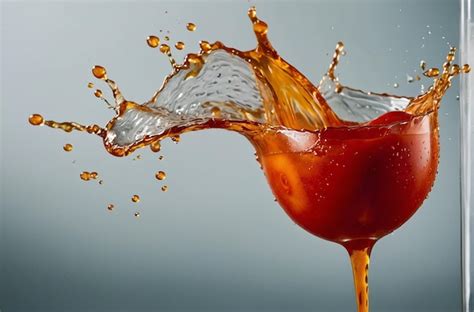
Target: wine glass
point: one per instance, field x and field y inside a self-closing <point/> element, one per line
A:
<point x="353" y="185"/>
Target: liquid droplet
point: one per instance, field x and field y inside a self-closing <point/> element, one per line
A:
<point x="85" y="176"/>
<point x="164" y="48"/>
<point x="101" y="182"/>
<point x="160" y="175"/>
<point x="179" y="45"/>
<point x="432" y="72"/>
<point x="176" y="138"/>
<point x="205" y="46"/>
<point x="98" y="93"/>
<point x="99" y="72"/>
<point x="90" y="85"/>
<point x="110" y="207"/>
<point x="164" y="188"/>
<point x="216" y="112"/>
<point x="466" y="68"/>
<point x="36" y="119"/>
<point x="423" y="65"/>
<point x="395" y="85"/>
<point x="191" y="26"/>
<point x="137" y="215"/>
<point x="155" y="146"/>
<point x="161" y="157"/>
<point x="67" y="147"/>
<point x="167" y="38"/>
<point x="153" y="41"/>
<point x="135" y="198"/>
<point x="410" y="79"/>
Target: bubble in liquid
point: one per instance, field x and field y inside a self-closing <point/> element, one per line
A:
<point x="135" y="198"/>
<point x="98" y="93"/>
<point x="164" y="188"/>
<point x="191" y="26"/>
<point x="110" y="207"/>
<point x="160" y="175"/>
<point x="99" y="72"/>
<point x="36" y="119"/>
<point x="67" y="147"/>
<point x="153" y="41"/>
<point x="179" y="45"/>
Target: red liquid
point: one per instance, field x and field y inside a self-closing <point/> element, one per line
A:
<point x="348" y="184"/>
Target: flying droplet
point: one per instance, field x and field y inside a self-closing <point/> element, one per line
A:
<point x="422" y="64"/>
<point x="135" y="198"/>
<point x="164" y="188"/>
<point x="161" y="157"/>
<point x="153" y="41"/>
<point x="410" y="79"/>
<point x="67" y="147"/>
<point x="167" y="38"/>
<point x="137" y="215"/>
<point x="466" y="68"/>
<point x="90" y="85"/>
<point x="98" y="93"/>
<point x="179" y="45"/>
<point x="395" y="85"/>
<point x="93" y="175"/>
<point x="36" y="119"/>
<point x="160" y="175"/>
<point x="99" y="72"/>
<point x="164" y="48"/>
<point x="85" y="176"/>
<point x="110" y="207"/>
<point x="191" y="26"/>
<point x="101" y="182"/>
<point x="432" y="72"/>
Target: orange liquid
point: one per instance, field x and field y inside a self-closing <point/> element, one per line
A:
<point x="353" y="183"/>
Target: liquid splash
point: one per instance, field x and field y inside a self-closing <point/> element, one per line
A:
<point x="309" y="139"/>
<point x="247" y="92"/>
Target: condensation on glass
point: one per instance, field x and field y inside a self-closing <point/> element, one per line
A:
<point x="467" y="154"/>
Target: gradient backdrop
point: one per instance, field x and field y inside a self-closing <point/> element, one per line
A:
<point x="216" y="241"/>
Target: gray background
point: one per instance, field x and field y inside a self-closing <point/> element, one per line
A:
<point x="215" y="241"/>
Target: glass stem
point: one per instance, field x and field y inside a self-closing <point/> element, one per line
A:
<point x="360" y="259"/>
